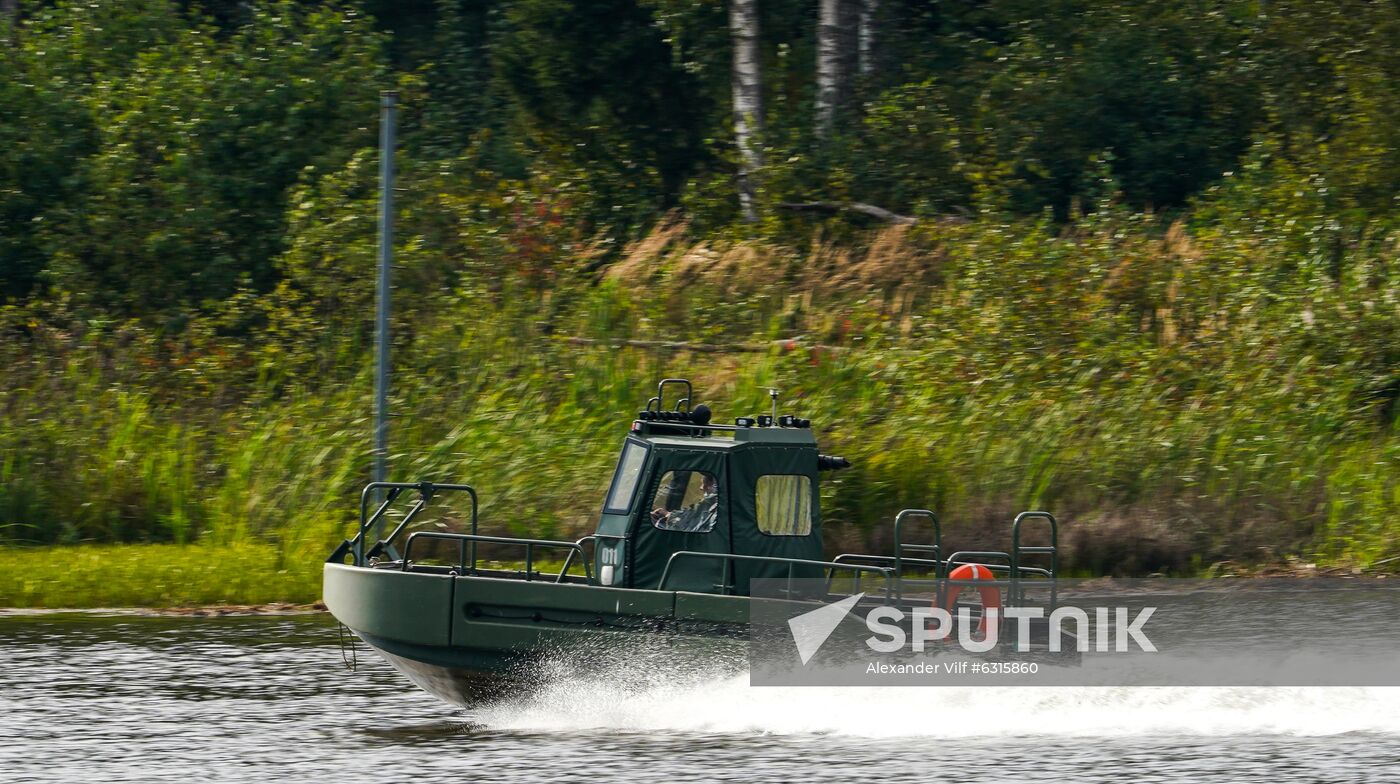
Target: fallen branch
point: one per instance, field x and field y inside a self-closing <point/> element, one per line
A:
<point x="870" y="210"/>
<point x="834" y="207"/>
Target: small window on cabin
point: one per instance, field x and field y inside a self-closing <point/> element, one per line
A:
<point x="624" y="484"/>
<point x="784" y="503"/>
<point x="686" y="501"/>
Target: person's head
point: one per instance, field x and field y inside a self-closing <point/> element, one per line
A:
<point x="709" y="484"/>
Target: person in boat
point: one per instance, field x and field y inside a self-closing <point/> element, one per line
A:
<point x="698" y="517"/>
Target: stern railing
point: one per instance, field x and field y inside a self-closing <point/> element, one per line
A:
<point x="1018" y="551"/>
<point x="901" y="546"/>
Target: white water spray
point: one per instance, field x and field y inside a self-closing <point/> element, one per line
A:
<point x="645" y="694"/>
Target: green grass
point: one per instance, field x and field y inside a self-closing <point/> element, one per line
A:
<point x="169" y="576"/>
<point x="153" y="575"/>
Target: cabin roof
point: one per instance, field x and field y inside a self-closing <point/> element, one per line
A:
<point x="784" y="436"/>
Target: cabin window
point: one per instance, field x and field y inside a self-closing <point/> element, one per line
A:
<point x="686" y="501"/>
<point x="784" y="503"/>
<point x="624" y="484"/>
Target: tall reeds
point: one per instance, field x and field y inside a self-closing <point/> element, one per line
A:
<point x="1164" y="394"/>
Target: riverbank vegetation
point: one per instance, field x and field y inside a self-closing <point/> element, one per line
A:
<point x="153" y="575"/>
<point x="1138" y="264"/>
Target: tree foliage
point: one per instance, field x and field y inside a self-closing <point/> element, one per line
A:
<point x="1153" y="269"/>
<point x="166" y="183"/>
<point x="151" y="147"/>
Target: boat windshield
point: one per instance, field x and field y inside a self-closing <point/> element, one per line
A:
<point x="624" y="484"/>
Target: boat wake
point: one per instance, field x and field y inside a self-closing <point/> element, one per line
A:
<point x="651" y="694"/>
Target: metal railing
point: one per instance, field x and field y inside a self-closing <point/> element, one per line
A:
<point x="726" y="575"/>
<point x="1018" y="550"/>
<point x="587" y="562"/>
<point x="426" y="490"/>
<point x="467" y="555"/>
<point x="1012" y="568"/>
<point x="468" y="542"/>
<point x="901" y="546"/>
<point x="848" y="558"/>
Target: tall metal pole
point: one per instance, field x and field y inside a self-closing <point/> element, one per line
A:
<point x="388" y="107"/>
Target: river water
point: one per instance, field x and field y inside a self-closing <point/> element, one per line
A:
<point x="114" y="699"/>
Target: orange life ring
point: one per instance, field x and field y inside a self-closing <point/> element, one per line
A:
<point x="991" y="597"/>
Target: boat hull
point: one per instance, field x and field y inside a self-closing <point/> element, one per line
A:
<point x="461" y="677"/>
<point x="456" y="636"/>
<point x="468" y="638"/>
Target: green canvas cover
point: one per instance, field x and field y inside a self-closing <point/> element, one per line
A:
<point x="747" y="464"/>
<point x="652" y="547"/>
<point x="738" y="468"/>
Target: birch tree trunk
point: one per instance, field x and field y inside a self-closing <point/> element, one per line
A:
<point x="747" y="85"/>
<point x="868" y="10"/>
<point x="829" y="62"/>
<point x="837" y="42"/>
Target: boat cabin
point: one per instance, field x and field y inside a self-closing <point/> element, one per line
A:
<point x="704" y="507"/>
<point x="695" y="507"/>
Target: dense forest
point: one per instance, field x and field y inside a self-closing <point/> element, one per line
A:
<point x="1135" y="262"/>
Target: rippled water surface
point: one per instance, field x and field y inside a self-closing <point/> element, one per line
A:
<point x="103" y="699"/>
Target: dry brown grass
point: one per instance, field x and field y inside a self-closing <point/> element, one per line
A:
<point x="894" y="261"/>
<point x="892" y="264"/>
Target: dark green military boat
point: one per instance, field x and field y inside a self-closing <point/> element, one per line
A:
<point x="694" y="513"/>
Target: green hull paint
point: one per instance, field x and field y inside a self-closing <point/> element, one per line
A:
<point x="461" y="677"/>
<point x="407" y="606"/>
<point x="445" y="633"/>
<point x="708" y="608"/>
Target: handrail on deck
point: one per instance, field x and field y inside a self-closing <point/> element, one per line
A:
<point x="900" y="546"/>
<point x="1052" y="550"/>
<point x="845" y="558"/>
<point x="582" y="556"/>
<point x="1035" y="570"/>
<point x="462" y="540"/>
<point x="426" y="491"/>
<point x="791" y="563"/>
